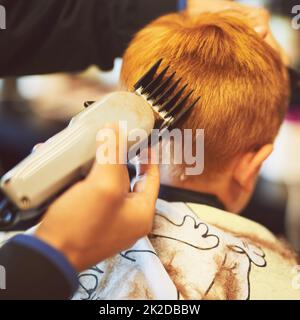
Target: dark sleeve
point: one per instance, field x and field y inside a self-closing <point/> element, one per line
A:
<point x="30" y="269"/>
<point x="44" y="36"/>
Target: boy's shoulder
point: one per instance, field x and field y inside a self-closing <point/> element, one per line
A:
<point x="236" y="258"/>
<point x="221" y="219"/>
<point x="231" y="222"/>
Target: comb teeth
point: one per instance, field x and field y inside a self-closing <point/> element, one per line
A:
<point x="179" y="105"/>
<point x="172" y="102"/>
<point x="161" y="89"/>
<point x="152" y="86"/>
<point x="168" y="103"/>
<point x="148" y="77"/>
<point x="161" y="100"/>
<point x="183" y="113"/>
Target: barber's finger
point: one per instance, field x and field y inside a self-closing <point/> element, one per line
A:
<point x="109" y="170"/>
<point x="144" y="198"/>
<point x="147" y="187"/>
<point x="147" y="155"/>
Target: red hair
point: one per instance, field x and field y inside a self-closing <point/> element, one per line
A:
<point x="241" y="80"/>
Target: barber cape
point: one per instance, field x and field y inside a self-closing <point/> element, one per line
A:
<point x="197" y="252"/>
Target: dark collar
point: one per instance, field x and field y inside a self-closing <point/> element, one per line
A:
<point x="173" y="194"/>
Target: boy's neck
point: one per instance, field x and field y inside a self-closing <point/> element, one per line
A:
<point x="197" y="184"/>
<point x="174" y="194"/>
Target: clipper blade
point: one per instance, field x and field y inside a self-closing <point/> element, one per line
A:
<point x="168" y="99"/>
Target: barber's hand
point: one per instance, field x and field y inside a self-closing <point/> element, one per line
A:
<point x="258" y="18"/>
<point x="99" y="217"/>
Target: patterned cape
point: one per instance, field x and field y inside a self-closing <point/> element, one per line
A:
<point x="197" y="252"/>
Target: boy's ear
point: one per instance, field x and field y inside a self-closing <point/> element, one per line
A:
<point x="248" y="166"/>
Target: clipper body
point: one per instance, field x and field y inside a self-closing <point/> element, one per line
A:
<point x="65" y="158"/>
<point x="69" y="154"/>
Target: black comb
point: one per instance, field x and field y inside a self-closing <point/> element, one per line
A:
<point x="167" y="98"/>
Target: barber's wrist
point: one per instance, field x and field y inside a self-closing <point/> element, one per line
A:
<point x="47" y="261"/>
<point x="59" y="244"/>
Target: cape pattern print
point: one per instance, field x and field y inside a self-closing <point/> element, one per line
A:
<point x="185" y="258"/>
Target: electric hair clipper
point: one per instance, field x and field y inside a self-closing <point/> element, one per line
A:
<point x="64" y="159"/>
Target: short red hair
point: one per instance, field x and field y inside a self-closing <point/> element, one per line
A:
<point x="241" y="80"/>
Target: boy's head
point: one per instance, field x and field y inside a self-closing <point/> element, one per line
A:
<point x="243" y="87"/>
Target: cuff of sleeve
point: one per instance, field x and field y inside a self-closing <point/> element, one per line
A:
<point x="52" y="255"/>
<point x="182" y="4"/>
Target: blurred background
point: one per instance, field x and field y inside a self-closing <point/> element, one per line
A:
<point x="34" y="108"/>
<point x="276" y="201"/>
